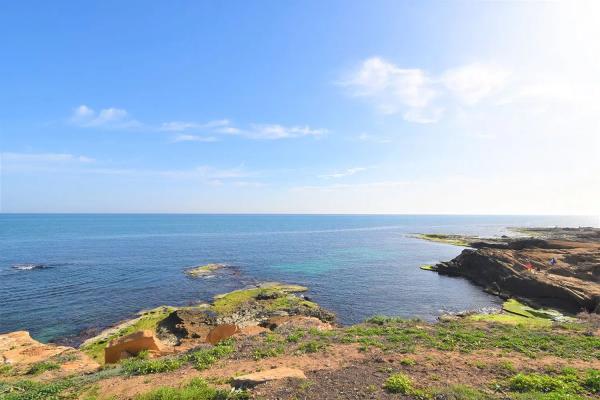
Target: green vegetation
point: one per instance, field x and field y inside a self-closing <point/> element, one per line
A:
<point x="147" y="320"/>
<point x="30" y="390"/>
<point x="398" y="383"/>
<point x="408" y="362"/>
<point x="268" y="351"/>
<point x="514" y="313"/>
<point x="466" y="335"/>
<point x="428" y="268"/>
<point x="5" y="369"/>
<point x="461" y="392"/>
<point x="196" y="389"/>
<point x="141" y="366"/>
<point x="41" y="367"/>
<point x="295" y="336"/>
<point x="227" y="303"/>
<point x="204" y="358"/>
<point x="311" y="346"/>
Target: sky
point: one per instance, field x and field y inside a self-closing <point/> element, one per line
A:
<point x="453" y="107"/>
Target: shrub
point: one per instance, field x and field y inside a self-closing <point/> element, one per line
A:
<point x="29" y="390"/>
<point x="311" y="347"/>
<point x="140" y="366"/>
<point x="408" y="361"/>
<point x="295" y="336"/>
<point x="398" y="383"/>
<point x="266" y="352"/>
<point x="592" y="381"/>
<point x="196" y="389"/>
<point x="543" y="383"/>
<point x="204" y="358"/>
<point x="42" y="367"/>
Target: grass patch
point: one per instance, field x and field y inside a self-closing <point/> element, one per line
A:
<point x="312" y="346"/>
<point x="141" y="366"/>
<point x="147" y="320"/>
<point x="196" y="389"/>
<point x="409" y="362"/>
<point x="204" y="358"/>
<point x="266" y="352"/>
<point x="461" y="392"/>
<point x="398" y="383"/>
<point x="41" y="367"/>
<point x="295" y="336"/>
<point x="30" y="390"/>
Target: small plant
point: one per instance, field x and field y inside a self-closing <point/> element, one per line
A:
<point x="41" y="367"/>
<point x="295" y="336"/>
<point x="140" y="366"/>
<point x="266" y="352"/>
<point x="312" y="346"/>
<point x="196" y="389"/>
<point x="408" y="361"/>
<point x="204" y="358"/>
<point x="398" y="383"/>
<point x="591" y="381"/>
<point x="30" y="390"/>
<point x="543" y="383"/>
<point x="5" y="369"/>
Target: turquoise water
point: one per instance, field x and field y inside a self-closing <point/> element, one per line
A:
<point x="99" y="269"/>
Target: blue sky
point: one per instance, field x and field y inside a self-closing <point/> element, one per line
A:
<point x="324" y="107"/>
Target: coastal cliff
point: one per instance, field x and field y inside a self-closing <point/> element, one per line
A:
<point x="558" y="268"/>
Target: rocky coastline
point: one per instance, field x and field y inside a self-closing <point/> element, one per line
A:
<point x="271" y="341"/>
<point x="550" y="267"/>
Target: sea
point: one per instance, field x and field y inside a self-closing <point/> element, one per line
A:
<point x="64" y="274"/>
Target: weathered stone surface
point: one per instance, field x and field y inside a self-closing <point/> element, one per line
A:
<point x="222" y="332"/>
<point x="187" y="323"/>
<point x="21" y="351"/>
<point x="132" y="344"/>
<point x="267" y="375"/>
<point x="296" y="321"/>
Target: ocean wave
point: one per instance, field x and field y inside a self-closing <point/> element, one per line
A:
<point x="30" y="267"/>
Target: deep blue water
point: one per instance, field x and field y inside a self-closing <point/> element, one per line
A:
<point x="104" y="268"/>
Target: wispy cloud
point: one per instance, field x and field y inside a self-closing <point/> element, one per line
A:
<point x="418" y="95"/>
<point x="367" y="137"/>
<point x="112" y="117"/>
<point x="181" y="126"/>
<point x="343" y="174"/>
<point x="45" y="158"/>
<point x="474" y="82"/>
<point x="186" y="131"/>
<point x="194" y="138"/>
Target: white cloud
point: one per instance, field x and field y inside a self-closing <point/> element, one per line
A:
<point x="472" y="83"/>
<point x="180" y="126"/>
<point x="392" y="89"/>
<point x="275" y="131"/>
<point x="194" y="138"/>
<point x="418" y="95"/>
<point x="44" y="158"/>
<point x="112" y="117"/>
<point x="343" y="174"/>
<point x="367" y="137"/>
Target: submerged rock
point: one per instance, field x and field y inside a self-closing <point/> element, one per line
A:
<point x="204" y="270"/>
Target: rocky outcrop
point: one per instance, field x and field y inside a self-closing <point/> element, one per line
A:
<point x="222" y="332"/>
<point x="133" y="344"/>
<point x="257" y="378"/>
<point x="20" y="351"/>
<point x="541" y="272"/>
<point x="286" y="323"/>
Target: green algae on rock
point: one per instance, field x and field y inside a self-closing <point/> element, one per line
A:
<point x="455" y="240"/>
<point x="204" y="270"/>
<point x="428" y="267"/>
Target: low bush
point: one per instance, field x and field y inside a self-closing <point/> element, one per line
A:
<point x="196" y="389"/>
<point x="41" y="367"/>
<point x="398" y="383"/>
